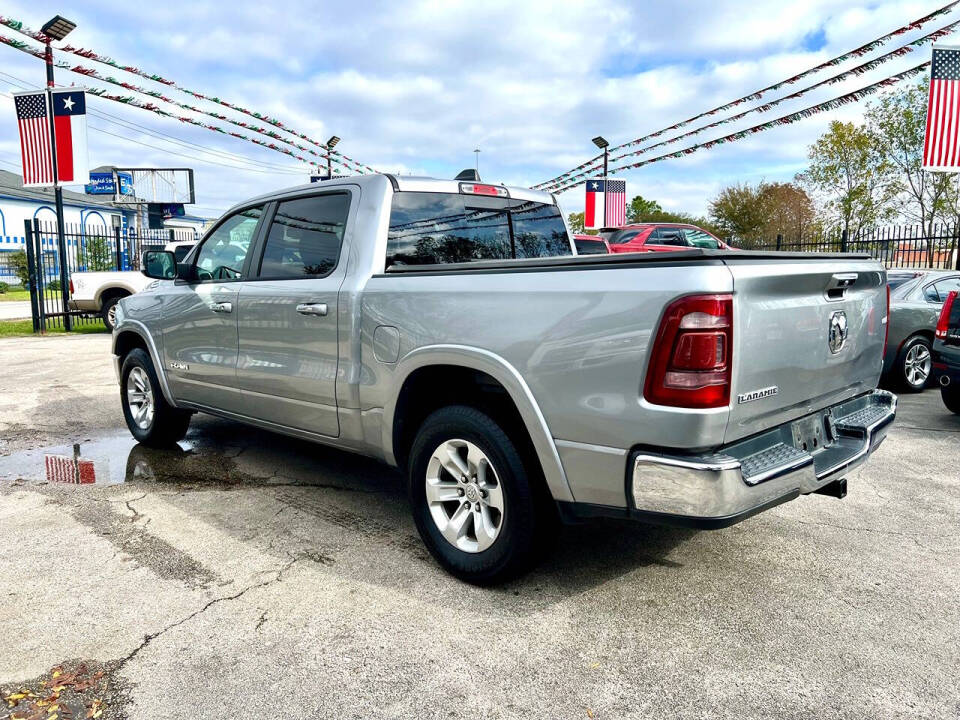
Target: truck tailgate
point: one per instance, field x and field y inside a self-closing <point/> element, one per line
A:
<point x="785" y="365"/>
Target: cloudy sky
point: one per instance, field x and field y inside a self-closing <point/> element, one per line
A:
<point x="414" y="87"/>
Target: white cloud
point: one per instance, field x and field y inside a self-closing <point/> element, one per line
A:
<point x="418" y="85"/>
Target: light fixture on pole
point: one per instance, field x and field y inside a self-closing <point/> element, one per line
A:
<point x="331" y="144"/>
<point x="601" y="143"/>
<point x="57" y="29"/>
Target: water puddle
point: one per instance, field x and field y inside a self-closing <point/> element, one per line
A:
<point x="115" y="460"/>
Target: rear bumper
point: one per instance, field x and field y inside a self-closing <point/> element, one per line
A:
<point x="752" y="475"/>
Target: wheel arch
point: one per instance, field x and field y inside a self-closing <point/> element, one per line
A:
<point x="434" y="361"/>
<point x="111" y="291"/>
<point x="133" y="334"/>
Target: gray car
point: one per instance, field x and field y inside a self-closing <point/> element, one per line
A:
<point x="446" y="328"/>
<point x="916" y="297"/>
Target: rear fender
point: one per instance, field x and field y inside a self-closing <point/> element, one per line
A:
<point x="512" y="381"/>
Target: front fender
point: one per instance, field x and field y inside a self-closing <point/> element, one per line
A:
<point x="126" y="324"/>
<point x="508" y="376"/>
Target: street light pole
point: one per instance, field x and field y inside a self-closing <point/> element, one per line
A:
<point x="601" y="143"/>
<point x="57" y="29"/>
<point x="476" y="166"/>
<point x="331" y="144"/>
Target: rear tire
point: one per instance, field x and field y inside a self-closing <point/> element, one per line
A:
<point x="482" y="526"/>
<point x="151" y="419"/>
<point x="108" y="311"/>
<point x="914" y="364"/>
<point x="951" y="397"/>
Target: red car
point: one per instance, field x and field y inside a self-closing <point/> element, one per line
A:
<point x="660" y="237"/>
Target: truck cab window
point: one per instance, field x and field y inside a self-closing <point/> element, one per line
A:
<point x="305" y="236"/>
<point x="223" y="253"/>
<point x="431" y="228"/>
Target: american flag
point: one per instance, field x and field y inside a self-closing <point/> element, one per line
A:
<point x="941" y="146"/>
<point x="616" y="203"/>
<point x="34" y="138"/>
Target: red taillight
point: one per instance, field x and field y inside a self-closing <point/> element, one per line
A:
<point x="943" y="322"/>
<point x="691" y="356"/>
<point x="886" y="323"/>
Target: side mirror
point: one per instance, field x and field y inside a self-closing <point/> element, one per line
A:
<point x="159" y="264"/>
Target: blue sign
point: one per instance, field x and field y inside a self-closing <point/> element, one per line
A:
<point x="102" y="184"/>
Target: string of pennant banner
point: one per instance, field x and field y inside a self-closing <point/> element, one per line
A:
<point x="783" y="120"/>
<point x="840" y="77"/>
<point x="594" y="162"/>
<point x="337" y="157"/>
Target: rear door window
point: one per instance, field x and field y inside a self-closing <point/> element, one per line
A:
<point x="431" y="228"/>
<point x="698" y="238"/>
<point x="944" y="287"/>
<point x="305" y="236"/>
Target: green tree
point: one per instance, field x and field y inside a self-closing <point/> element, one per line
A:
<point x="788" y="210"/>
<point x="851" y="173"/>
<point x="97" y="254"/>
<point x="18" y="261"/>
<point x="642" y="210"/>
<point x="897" y="122"/>
<point x="739" y="211"/>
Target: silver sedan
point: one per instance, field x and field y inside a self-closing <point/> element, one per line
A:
<point x="916" y="297"/>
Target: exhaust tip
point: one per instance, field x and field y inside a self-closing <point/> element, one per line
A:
<point x="944" y="380"/>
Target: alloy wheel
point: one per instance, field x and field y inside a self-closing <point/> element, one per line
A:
<point x="140" y="398"/>
<point x="917" y="364"/>
<point x="464" y="496"/>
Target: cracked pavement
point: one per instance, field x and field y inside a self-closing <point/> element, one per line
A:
<point x="246" y="574"/>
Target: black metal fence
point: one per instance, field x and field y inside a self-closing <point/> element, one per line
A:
<point x="84" y="250"/>
<point x="915" y="246"/>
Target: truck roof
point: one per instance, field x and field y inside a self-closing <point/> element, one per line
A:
<point x="400" y="183"/>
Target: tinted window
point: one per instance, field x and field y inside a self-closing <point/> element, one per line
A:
<point x="538" y="231"/>
<point x="429" y="228"/>
<point x="590" y="247"/>
<point x="222" y="254"/>
<point x="930" y="293"/>
<point x="698" y="238"/>
<point x="671" y="236"/>
<point x="181" y="251"/>
<point x="895" y="281"/>
<point x="305" y="236"/>
<point x="622" y="236"/>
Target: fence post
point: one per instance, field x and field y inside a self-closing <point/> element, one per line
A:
<point x="32" y="272"/>
<point x="779" y="240"/>
<point x="843" y="241"/>
<point x="41" y="276"/>
<point x="64" y="277"/>
<point x="116" y="239"/>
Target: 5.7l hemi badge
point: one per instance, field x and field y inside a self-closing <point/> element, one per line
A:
<point x="757" y="394"/>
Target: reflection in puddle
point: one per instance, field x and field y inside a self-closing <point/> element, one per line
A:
<point x="103" y="462"/>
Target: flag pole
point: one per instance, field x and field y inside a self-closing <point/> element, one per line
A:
<point x="58" y="193"/>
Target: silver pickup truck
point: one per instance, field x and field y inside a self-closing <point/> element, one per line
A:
<point x="438" y="326"/>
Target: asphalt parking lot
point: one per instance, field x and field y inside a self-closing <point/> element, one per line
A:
<point x="250" y="575"/>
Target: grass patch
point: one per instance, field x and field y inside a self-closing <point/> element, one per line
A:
<point x="13" y="295"/>
<point x="20" y="328"/>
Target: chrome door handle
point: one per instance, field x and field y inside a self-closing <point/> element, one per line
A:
<point x="222" y="307"/>
<point x="312" y="308"/>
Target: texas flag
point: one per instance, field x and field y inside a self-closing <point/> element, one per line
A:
<point x="70" y="131"/>
<point x="593" y="214"/>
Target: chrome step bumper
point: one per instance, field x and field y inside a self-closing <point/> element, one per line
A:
<point x="746" y="477"/>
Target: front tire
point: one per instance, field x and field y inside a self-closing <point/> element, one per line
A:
<point x="914" y="364"/>
<point x="951" y="397"/>
<point x="150" y="418"/>
<point x="472" y="498"/>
